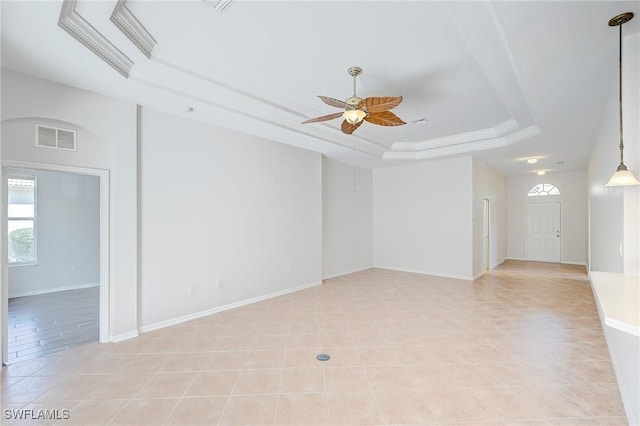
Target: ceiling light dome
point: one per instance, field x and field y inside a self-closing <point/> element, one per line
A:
<point x="354" y="116"/>
<point x="622" y="177"/>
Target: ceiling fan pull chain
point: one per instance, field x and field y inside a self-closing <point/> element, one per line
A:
<point x="354" y="159"/>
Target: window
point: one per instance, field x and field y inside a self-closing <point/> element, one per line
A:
<point x="543" y="189"/>
<point x="21" y="217"/>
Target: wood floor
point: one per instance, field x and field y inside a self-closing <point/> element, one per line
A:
<point x="522" y="345"/>
<point x="53" y="322"/>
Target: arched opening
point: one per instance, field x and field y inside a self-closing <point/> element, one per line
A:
<point x="542" y="190"/>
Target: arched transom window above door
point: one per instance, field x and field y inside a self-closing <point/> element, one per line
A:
<point x="543" y="189"/>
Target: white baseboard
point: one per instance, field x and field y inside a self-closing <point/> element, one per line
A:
<point x="574" y="263"/>
<point x="178" y="320"/>
<point x="435" y="274"/>
<point x="479" y="274"/>
<point x="51" y="290"/>
<point x="347" y="273"/>
<point x="565" y="262"/>
<point x="124" y="336"/>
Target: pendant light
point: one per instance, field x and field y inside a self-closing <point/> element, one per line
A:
<point x="622" y="176"/>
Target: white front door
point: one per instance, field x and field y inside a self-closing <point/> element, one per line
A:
<point x="543" y="232"/>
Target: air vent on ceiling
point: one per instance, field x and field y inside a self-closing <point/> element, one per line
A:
<point x="52" y="137"/>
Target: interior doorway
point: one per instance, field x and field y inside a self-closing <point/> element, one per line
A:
<point x="54" y="261"/>
<point x="88" y="278"/>
<point x="543" y="234"/>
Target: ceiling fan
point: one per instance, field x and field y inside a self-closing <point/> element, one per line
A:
<point x="374" y="110"/>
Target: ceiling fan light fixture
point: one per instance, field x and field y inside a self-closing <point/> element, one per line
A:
<point x="354" y="116"/>
<point x="375" y="110"/>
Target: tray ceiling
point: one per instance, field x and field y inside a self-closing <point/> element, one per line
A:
<point x="502" y="81"/>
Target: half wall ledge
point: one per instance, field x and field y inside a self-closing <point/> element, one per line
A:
<point x="618" y="300"/>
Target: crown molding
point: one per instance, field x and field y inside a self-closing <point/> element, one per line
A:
<point x="80" y="29"/>
<point x="195" y="69"/>
<point x="160" y="55"/>
<point x="132" y="28"/>
<point x="462" y="148"/>
<point x="461" y="138"/>
<point x="479" y="25"/>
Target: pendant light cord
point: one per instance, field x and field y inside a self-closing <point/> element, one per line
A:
<point x="620" y="93"/>
<point x="354" y="163"/>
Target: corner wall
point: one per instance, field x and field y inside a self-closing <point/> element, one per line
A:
<point x="422" y="218"/>
<point x="614" y="219"/>
<point x="606" y="204"/>
<point x="614" y="212"/>
<point x="226" y="218"/>
<point x="347" y="218"/>
<point x="491" y="185"/>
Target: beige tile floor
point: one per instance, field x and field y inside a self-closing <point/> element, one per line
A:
<point x="521" y="345"/>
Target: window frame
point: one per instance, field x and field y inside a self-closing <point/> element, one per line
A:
<point x="34" y="218"/>
<point x="543" y="192"/>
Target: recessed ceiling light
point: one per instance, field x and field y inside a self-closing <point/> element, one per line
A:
<point x="541" y="172"/>
<point x="532" y="160"/>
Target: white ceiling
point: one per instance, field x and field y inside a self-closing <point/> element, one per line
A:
<point x="502" y="80"/>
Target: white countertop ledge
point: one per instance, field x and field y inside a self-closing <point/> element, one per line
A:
<point x="619" y="298"/>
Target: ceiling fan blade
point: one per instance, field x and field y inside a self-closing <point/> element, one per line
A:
<point x="384" y="118"/>
<point x="380" y="104"/>
<point x="348" y="128"/>
<point x="323" y="118"/>
<point x="334" y="102"/>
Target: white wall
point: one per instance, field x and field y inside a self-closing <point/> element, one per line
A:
<point x="68" y="235"/>
<point x="220" y="205"/>
<point x="606" y="205"/>
<point x="347" y="218"/>
<point x="106" y="140"/>
<point x="631" y="110"/>
<point x="624" y="349"/>
<point x="573" y="199"/>
<point x="614" y="212"/>
<point x="423" y="218"/>
<point x="491" y="185"/>
<point x="614" y="216"/>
